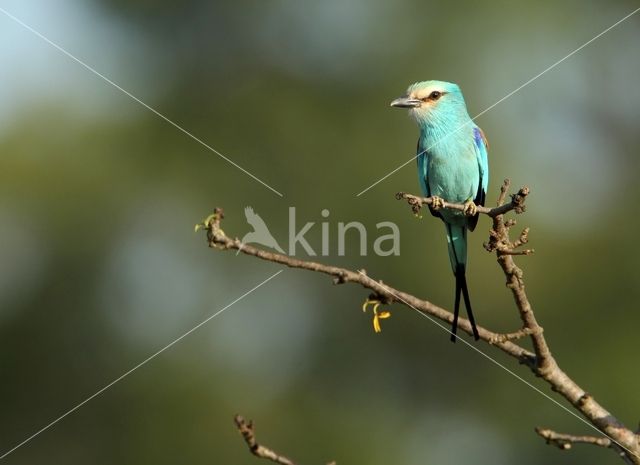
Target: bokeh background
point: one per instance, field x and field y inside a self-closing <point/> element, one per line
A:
<point x="100" y="267"/>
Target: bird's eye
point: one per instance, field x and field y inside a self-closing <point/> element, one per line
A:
<point x="435" y="95"/>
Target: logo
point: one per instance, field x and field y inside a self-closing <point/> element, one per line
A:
<point x="260" y="234"/>
<point x="383" y="245"/>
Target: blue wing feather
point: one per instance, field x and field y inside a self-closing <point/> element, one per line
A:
<point x="481" y="145"/>
<point x="422" y="176"/>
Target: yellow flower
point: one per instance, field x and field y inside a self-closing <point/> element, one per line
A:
<point x="377" y="315"/>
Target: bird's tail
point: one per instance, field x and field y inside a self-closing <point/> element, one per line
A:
<point x="457" y="240"/>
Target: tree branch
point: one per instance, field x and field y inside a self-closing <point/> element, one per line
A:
<point x="624" y="440"/>
<point x="516" y="204"/>
<point x="540" y="361"/>
<point x="247" y="431"/>
<point x="565" y="441"/>
<point x="381" y="291"/>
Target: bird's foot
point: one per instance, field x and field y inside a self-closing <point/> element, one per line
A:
<point x="377" y="314"/>
<point x="436" y="203"/>
<point x="470" y="208"/>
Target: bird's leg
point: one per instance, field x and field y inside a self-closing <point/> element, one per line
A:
<point x="377" y="314"/>
<point x="436" y="203"/>
<point x="470" y="208"/>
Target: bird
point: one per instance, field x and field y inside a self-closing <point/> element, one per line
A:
<point x="452" y="159"/>
<point x="260" y="233"/>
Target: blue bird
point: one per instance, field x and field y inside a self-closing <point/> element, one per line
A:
<point x="452" y="166"/>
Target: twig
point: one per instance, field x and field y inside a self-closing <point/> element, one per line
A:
<point x="516" y="204"/>
<point x="514" y="336"/>
<point x="565" y="441"/>
<point x="247" y="431"/>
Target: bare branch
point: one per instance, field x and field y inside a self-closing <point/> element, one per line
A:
<point x="622" y="439"/>
<point x="246" y="429"/>
<point x="565" y="441"/>
<point x="514" y="336"/>
<point x="546" y="366"/>
<point x="381" y="291"/>
<point x="516" y="204"/>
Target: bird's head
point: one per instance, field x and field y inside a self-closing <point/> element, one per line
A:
<point x="433" y="102"/>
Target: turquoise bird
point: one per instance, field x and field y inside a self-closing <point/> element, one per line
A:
<point x="452" y="166"/>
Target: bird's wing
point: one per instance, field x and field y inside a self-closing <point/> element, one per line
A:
<point x="481" y="145"/>
<point x="423" y="175"/>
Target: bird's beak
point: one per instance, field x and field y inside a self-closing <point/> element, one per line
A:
<point x="406" y="102"/>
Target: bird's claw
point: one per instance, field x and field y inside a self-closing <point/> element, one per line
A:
<point x="377" y="315"/>
<point x="470" y="208"/>
<point x="436" y="203"/>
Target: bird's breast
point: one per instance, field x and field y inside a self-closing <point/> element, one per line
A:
<point x="454" y="178"/>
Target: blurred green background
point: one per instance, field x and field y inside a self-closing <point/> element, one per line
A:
<point x="100" y="268"/>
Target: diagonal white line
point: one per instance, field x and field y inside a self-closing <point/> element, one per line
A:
<point x="494" y="361"/>
<point x="517" y="89"/>
<point x="129" y="94"/>
<point x="148" y="359"/>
